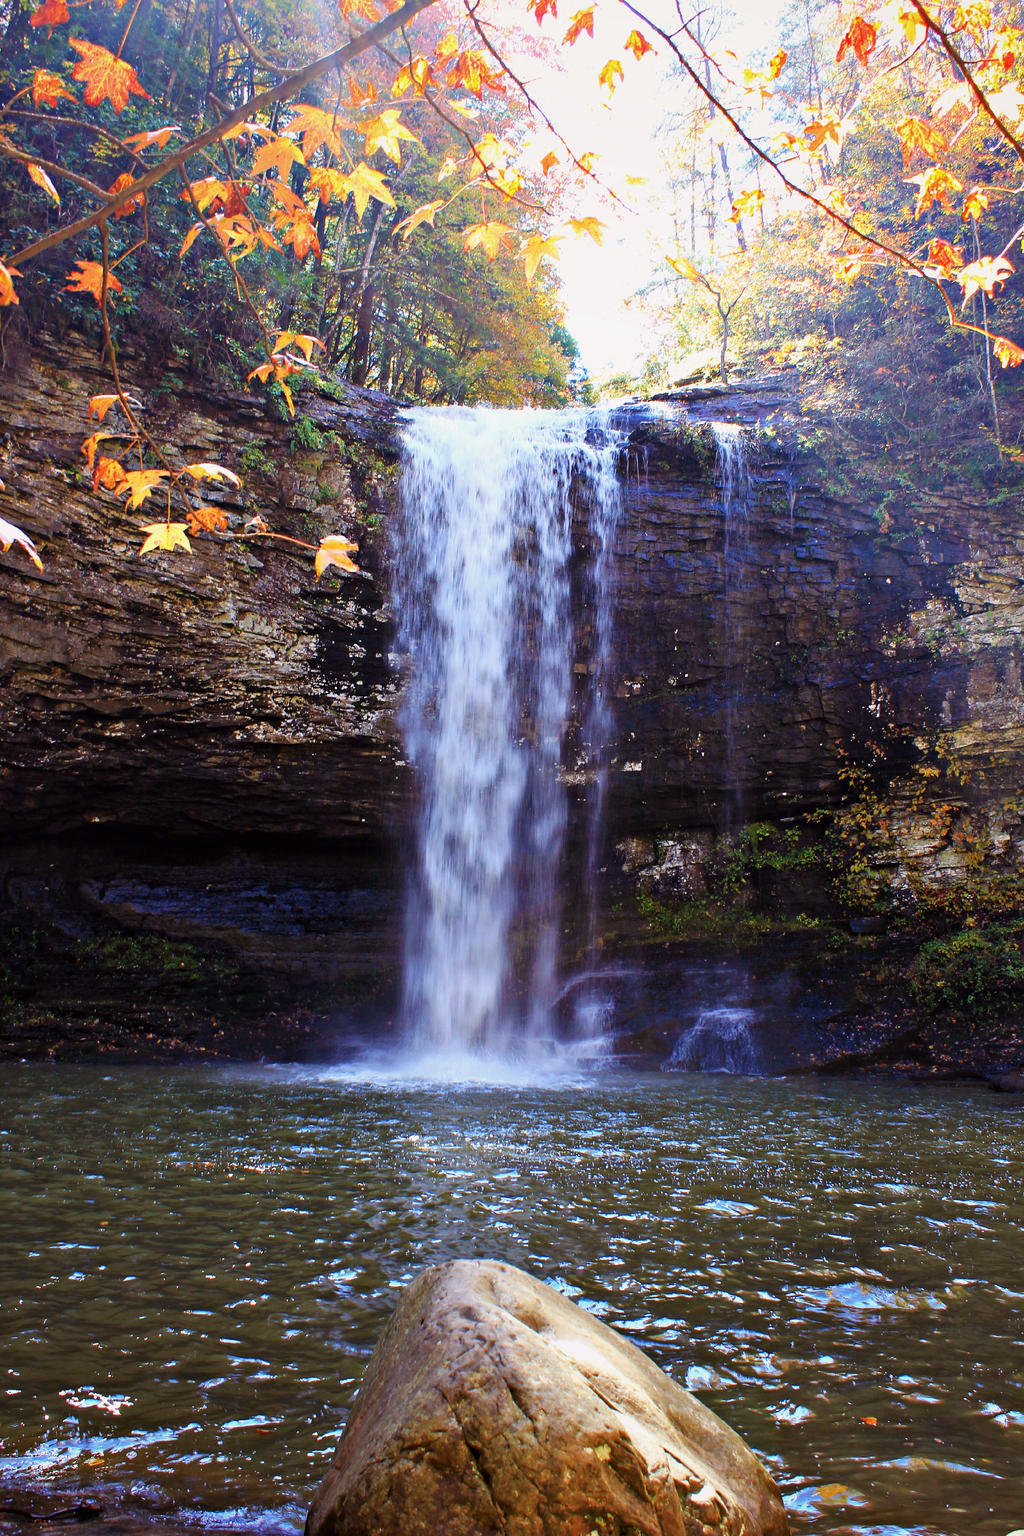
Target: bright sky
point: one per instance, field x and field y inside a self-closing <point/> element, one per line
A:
<point x="598" y="282"/>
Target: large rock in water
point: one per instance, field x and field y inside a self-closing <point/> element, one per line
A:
<point x="494" y="1407"/>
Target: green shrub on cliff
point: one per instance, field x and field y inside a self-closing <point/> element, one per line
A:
<point x="974" y="974"/>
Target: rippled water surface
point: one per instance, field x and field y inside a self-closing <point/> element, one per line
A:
<point x="194" y="1266"/>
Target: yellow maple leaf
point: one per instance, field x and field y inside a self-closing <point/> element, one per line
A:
<point x="985" y="275"/>
<point x="41" y="179"/>
<point x="364" y="183"/>
<point x="385" y="132"/>
<point x="588" y="226"/>
<point x="106" y="77"/>
<point x="685" y="268"/>
<point x="934" y="186"/>
<point x="317" y="128"/>
<point x="166" y="536"/>
<point x="611" y="75"/>
<point x="918" y="137"/>
<point x="423" y="215"/>
<point x="278" y="154"/>
<point x="304" y="343"/>
<point x="211" y="472"/>
<point x="535" y="249"/>
<point x="490" y="238"/>
<point x="975" y="204"/>
<point x="138" y="484"/>
<point x="415" y="76"/>
<point x="746" y="203"/>
<point x="335" y="550"/>
<point x="9" y="535"/>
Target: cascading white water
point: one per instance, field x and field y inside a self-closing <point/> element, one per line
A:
<point x="485" y="630"/>
<point x="722" y="1040"/>
<point x="733" y="477"/>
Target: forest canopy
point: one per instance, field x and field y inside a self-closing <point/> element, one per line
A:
<point x="265" y="190"/>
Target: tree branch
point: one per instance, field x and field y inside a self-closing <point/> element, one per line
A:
<point x="281" y="92"/>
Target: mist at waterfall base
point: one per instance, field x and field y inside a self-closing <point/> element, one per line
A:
<point x="504" y="709"/>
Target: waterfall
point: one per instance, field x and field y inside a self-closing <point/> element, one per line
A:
<point x="733" y="480"/>
<point x="486" y="583"/>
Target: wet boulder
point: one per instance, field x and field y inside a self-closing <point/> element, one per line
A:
<point x="492" y="1406"/>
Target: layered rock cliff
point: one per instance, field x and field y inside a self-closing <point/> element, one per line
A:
<point x="202" y="753"/>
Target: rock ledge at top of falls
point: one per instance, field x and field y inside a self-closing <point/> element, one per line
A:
<point x="492" y="1406"/>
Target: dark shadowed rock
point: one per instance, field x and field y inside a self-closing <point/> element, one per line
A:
<point x="493" y="1405"/>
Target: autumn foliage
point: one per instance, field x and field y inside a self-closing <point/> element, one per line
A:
<point x="373" y="190"/>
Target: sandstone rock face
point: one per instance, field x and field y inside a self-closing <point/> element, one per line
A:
<point x="206" y="749"/>
<point x="493" y="1406"/>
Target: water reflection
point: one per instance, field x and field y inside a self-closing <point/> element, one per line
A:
<point x="198" y="1263"/>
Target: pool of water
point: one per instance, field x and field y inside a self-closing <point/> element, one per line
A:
<point x="195" y="1264"/>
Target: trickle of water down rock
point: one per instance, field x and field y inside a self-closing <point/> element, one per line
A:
<point x="496" y="508"/>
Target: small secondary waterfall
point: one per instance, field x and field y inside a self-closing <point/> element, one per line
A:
<point x="486" y="586"/>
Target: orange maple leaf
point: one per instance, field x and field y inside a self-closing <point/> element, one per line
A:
<point x="138" y="201"/>
<point x="542" y="8"/>
<point x="107" y="78"/>
<point x="109" y="473"/>
<point x="944" y="260"/>
<point x="1008" y="352"/>
<point x="160" y="137"/>
<point x="975" y="204"/>
<point x="638" y="44"/>
<point x="362" y="95"/>
<point x="207" y="520"/>
<point x="472" y="71"/>
<point x="50" y="14"/>
<point x="582" y="21"/>
<point x="918" y="136"/>
<point x="89" y="279"/>
<point x="49" y="88"/>
<point x="549" y="162"/>
<point x="99" y="405"/>
<point x="861" y="36"/>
